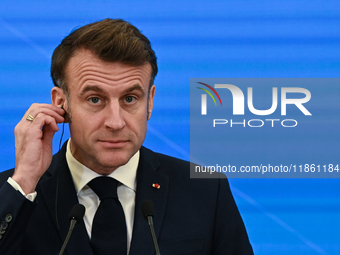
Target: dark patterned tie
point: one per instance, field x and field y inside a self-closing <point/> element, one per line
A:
<point x="109" y="236"/>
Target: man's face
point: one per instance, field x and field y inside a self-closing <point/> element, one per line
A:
<point x="108" y="104"/>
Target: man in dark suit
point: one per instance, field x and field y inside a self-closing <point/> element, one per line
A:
<point x="103" y="75"/>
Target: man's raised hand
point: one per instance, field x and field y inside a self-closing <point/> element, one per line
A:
<point x="33" y="144"/>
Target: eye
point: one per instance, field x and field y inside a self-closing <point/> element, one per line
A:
<point x="94" y="100"/>
<point x="129" y="99"/>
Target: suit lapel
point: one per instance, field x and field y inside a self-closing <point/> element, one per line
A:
<point x="59" y="194"/>
<point x="146" y="176"/>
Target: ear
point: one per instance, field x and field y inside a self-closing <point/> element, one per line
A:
<point x="58" y="99"/>
<point x="150" y="101"/>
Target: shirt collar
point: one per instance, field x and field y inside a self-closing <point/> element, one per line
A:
<point x="82" y="175"/>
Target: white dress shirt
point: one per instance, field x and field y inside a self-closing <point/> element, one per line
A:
<point x="126" y="190"/>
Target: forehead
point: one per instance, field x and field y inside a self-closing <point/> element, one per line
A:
<point x="86" y="68"/>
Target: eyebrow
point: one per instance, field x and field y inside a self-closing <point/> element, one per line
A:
<point x="91" y="88"/>
<point x="100" y="90"/>
<point x="135" y="87"/>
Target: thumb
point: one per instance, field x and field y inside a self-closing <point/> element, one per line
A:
<point x="48" y="133"/>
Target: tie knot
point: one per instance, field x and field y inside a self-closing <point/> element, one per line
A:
<point x="104" y="187"/>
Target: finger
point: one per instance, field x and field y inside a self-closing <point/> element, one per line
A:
<point x="47" y="112"/>
<point x="33" y="128"/>
<point x="49" y="106"/>
<point x="43" y="120"/>
<point x="48" y="133"/>
<point x="59" y="118"/>
<point x="47" y="109"/>
<point x="51" y="110"/>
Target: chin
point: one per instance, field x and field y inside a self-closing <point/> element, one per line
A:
<point x="114" y="162"/>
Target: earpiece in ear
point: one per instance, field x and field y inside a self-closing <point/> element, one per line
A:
<point x="62" y="107"/>
<point x="65" y="115"/>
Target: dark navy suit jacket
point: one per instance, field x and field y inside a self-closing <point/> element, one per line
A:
<point x="192" y="216"/>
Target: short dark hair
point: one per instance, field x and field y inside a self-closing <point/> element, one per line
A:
<point x="111" y="40"/>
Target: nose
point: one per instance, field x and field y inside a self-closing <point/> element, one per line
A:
<point x="114" y="116"/>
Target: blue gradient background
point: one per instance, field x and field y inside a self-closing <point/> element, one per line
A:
<point x="196" y="39"/>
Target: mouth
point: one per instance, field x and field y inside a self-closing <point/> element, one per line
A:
<point x="113" y="144"/>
